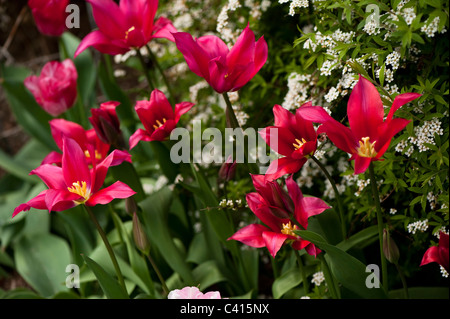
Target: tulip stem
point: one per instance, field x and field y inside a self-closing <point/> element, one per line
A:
<point x="376" y="199"/>
<point x="146" y="70"/>
<point x="336" y="194"/>
<point x="108" y="247"/>
<point x="158" y="273"/>
<point x="232" y="122"/>
<point x="302" y="270"/>
<point x="334" y="291"/>
<point x="161" y="71"/>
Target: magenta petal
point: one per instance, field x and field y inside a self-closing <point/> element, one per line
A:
<point x="51" y="175"/>
<point x="280" y="139"/>
<point x="386" y="132"/>
<point x="213" y="46"/>
<point x="365" y="110"/>
<point x="282" y="117"/>
<point x="74" y="166"/>
<point x="182" y="108"/>
<point x="106" y="195"/>
<point x="399" y="101"/>
<point x="261" y="53"/>
<point x="59" y="200"/>
<point x="250" y="235"/>
<point x="164" y="29"/>
<point x="361" y="164"/>
<point x="102" y="43"/>
<point x="37" y="202"/>
<point x="274" y="241"/>
<point x="110" y="20"/>
<point x="243" y="51"/>
<point x="196" y="58"/>
<point x="284" y="166"/>
<point x="139" y="135"/>
<point x="62" y="127"/>
<point x="52" y="158"/>
<point x="310" y="206"/>
<point x="259" y="207"/>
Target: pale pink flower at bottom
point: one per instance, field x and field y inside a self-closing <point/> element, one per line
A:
<point x="192" y="293"/>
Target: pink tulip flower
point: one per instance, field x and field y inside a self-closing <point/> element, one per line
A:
<point x="291" y="136"/>
<point x="55" y="89"/>
<point x="74" y="183"/>
<point x="369" y="134"/>
<point x="439" y="253"/>
<point x="158" y="118"/>
<point x="224" y="69"/>
<point x="274" y="207"/>
<point x="49" y="16"/>
<point x="127" y="25"/>
<point x="192" y="293"/>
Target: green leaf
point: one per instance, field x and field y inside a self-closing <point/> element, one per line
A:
<point x="110" y="286"/>
<point x="155" y="210"/>
<point x="348" y="270"/>
<point x="286" y="282"/>
<point x="42" y="260"/>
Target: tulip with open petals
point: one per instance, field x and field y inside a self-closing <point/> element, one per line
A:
<point x="158" y="118"/>
<point x="276" y="209"/>
<point x="55" y="89"/>
<point x="369" y="134"/>
<point x="127" y="25"/>
<point x="224" y="69"/>
<point x="291" y="136"/>
<point x="74" y="183"/>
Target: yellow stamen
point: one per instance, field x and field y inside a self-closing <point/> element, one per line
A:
<point x="159" y="124"/>
<point x="98" y="156"/>
<point x="128" y="31"/>
<point x="80" y="189"/>
<point x="299" y="143"/>
<point x="366" y="149"/>
<point x="288" y="229"/>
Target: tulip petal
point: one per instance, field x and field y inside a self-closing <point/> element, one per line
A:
<point x="284" y="166"/>
<point x="59" y="200"/>
<point x="74" y="165"/>
<point x="261" y="53"/>
<point x="37" y="202"/>
<point x="139" y="135"/>
<point x="365" y="110"/>
<point x="51" y="175"/>
<point x="282" y="117"/>
<point x="213" y="46"/>
<point x="164" y="28"/>
<point x="250" y="235"/>
<point x="274" y="241"/>
<point x="280" y="139"/>
<point x="310" y="206"/>
<point x="101" y="43"/>
<point x="110" y="20"/>
<point x="260" y="208"/>
<point x="399" y="101"/>
<point x="361" y="164"/>
<point x="196" y="58"/>
<point x="106" y="195"/>
<point x="61" y="127"/>
<point x="182" y="108"/>
<point x="386" y="132"/>
<point x="243" y="51"/>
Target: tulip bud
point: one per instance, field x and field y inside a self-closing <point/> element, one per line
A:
<point x="227" y="170"/>
<point x="49" y="16"/>
<point x="130" y="205"/>
<point x="106" y="124"/>
<point x="390" y="248"/>
<point x="140" y="238"/>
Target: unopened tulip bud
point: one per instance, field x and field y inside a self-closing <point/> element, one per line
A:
<point x="140" y="238"/>
<point x="130" y="205"/>
<point x="390" y="248"/>
<point x="106" y="124"/>
<point x="227" y="170"/>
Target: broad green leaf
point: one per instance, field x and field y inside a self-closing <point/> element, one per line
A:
<point x="286" y="282"/>
<point x="155" y="210"/>
<point x="348" y="270"/>
<point x="42" y="260"/>
<point x="110" y="286"/>
<point x="207" y="274"/>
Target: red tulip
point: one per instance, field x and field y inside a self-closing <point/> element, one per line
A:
<point x="55" y="89"/>
<point x="106" y="123"/>
<point x="224" y="69"/>
<point x="291" y="136"/>
<point x="127" y="25"/>
<point x="273" y="206"/>
<point x="158" y="118"/>
<point x="369" y="135"/>
<point x="94" y="149"/>
<point x="439" y="253"/>
<point x="49" y="16"/>
<point x="74" y="183"/>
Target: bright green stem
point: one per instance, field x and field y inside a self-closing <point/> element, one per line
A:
<point x="108" y="247"/>
<point x="302" y="270"/>
<point x="158" y="273"/>
<point x="146" y="70"/>
<point x="161" y="71"/>
<point x="336" y="194"/>
<point x="376" y="199"/>
<point x="334" y="291"/>
<point x="234" y="123"/>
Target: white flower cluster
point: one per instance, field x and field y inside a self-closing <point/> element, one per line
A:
<point x="409" y="15"/>
<point x="298" y="85"/>
<point x="432" y="199"/>
<point x="425" y="134"/>
<point x="420" y="225"/>
<point x="393" y="59"/>
<point x="234" y="205"/>
<point x="392" y="211"/>
<point x="361" y="183"/>
<point x="371" y="27"/>
<point x="318" y="278"/>
<point x="431" y="28"/>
